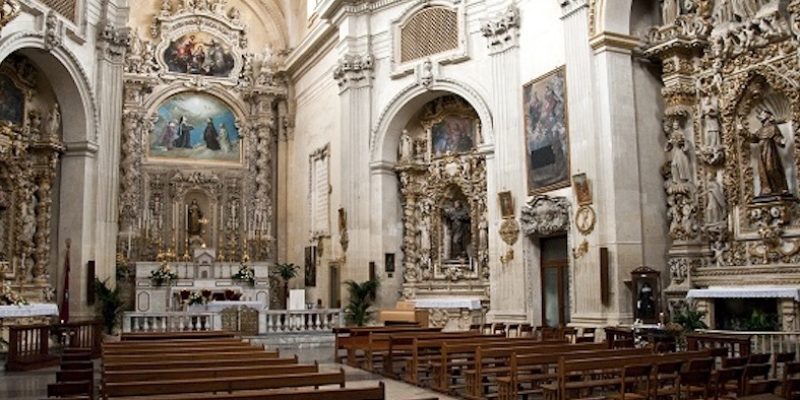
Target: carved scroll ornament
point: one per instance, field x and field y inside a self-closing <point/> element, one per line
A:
<point x="545" y="215"/>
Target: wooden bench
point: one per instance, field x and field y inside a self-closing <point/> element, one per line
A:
<point x="375" y="393"/>
<point x="384" y="348"/>
<point x="193" y="363"/>
<point x="244" y="347"/>
<point x="595" y="373"/>
<point x="182" y="356"/>
<point x="354" y="339"/>
<point x="224" y="384"/>
<point x="207" y="372"/>
<point x="139" y="336"/>
<point x="68" y="389"/>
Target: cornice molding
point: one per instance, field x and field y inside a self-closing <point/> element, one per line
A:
<point x="612" y="41"/>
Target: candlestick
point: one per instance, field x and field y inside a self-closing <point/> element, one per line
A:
<point x="129" y="243"/>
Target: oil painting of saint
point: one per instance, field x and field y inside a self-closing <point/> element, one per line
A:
<point x="195" y="126"/>
<point x="546" y="132"/>
<point x="199" y="53"/>
<point x="453" y="135"/>
<point x="11" y="101"/>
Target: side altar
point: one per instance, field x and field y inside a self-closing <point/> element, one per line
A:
<point x="200" y="294"/>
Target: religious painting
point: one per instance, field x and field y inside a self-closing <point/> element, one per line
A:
<point x="546" y="132"/>
<point x="195" y="126"/>
<point x="199" y="53"/>
<point x="12" y="101"/>
<point x="506" y="204"/>
<point x="453" y="135"/>
<point x="311" y="266"/>
<point x="580" y="183"/>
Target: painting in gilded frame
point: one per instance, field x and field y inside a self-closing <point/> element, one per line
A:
<point x="546" y="132"/>
<point x="453" y="135"/>
<point x="199" y="53"/>
<point x="12" y="101"/>
<point x="194" y="126"/>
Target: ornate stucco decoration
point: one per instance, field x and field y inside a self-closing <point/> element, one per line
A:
<point x="53" y="30"/>
<point x="732" y="155"/>
<point x="9" y="9"/>
<point x="354" y="70"/>
<point x="502" y="32"/>
<point x="445" y="228"/>
<point x="235" y="195"/>
<point x="545" y="215"/>
<point x="114" y="41"/>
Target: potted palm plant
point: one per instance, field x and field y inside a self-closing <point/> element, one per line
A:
<point x="361" y="297"/>
<point x="109" y="304"/>
<point x="285" y="272"/>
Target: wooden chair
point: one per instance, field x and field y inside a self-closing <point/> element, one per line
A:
<point x="761" y="358"/>
<point x="635" y="382"/>
<point x="756" y="380"/>
<point x="733" y="362"/>
<point x="790" y="371"/>
<point x="512" y="330"/>
<point x="728" y="383"/>
<point x="526" y="330"/>
<point x="666" y="377"/>
<point x="791" y="389"/>
<point x="694" y="384"/>
<point x="499" y="328"/>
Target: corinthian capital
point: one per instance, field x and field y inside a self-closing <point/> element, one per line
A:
<point x="354" y="70"/>
<point x="502" y="32"/>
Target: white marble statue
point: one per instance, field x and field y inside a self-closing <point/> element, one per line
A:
<point x="710" y="122"/>
<point x="715" y="209"/>
<point x="53" y="121"/>
<point x="680" y="165"/>
<point x="406" y="147"/>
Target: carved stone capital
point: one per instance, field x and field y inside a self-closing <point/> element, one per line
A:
<point x="502" y="32"/>
<point x="113" y="41"/>
<point x="570" y="6"/>
<point x="354" y="71"/>
<point x="545" y="215"/>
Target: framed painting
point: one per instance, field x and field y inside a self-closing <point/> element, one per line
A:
<point x="506" y="204"/>
<point x="546" y="132"/>
<point x="311" y="266"/>
<point x="580" y="183"/>
<point x="199" y="53"/>
<point x="194" y="126"/>
<point x="12" y="101"/>
<point x="454" y="134"/>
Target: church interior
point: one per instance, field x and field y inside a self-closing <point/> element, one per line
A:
<point x="399" y="199"/>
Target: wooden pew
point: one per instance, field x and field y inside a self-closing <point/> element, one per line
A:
<point x="379" y="345"/>
<point x="182" y="356"/>
<point x="139" y="336"/>
<point x="353" y="339"/>
<point x="597" y="372"/>
<point x="68" y="389"/>
<point x="447" y="356"/>
<point x="244" y="347"/>
<point x="174" y="342"/>
<point x="207" y="372"/>
<point x="226" y="384"/>
<point x="193" y="363"/>
<point x="401" y="346"/>
<point x="378" y="393"/>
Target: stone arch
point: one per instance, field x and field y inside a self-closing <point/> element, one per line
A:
<point x="69" y="81"/>
<point x="611" y="16"/>
<point x="386" y="135"/>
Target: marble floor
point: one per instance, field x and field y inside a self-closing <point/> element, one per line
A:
<point x="33" y="385"/>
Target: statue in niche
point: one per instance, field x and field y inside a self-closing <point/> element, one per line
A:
<point x="710" y="122"/>
<point x="406" y="147"/>
<point x="680" y="165"/>
<point x="746" y="9"/>
<point x="457" y="221"/>
<point x="424" y="232"/>
<point x="53" y="121"/>
<point x="715" y="208"/>
<point x="768" y="138"/>
<point x="670" y="9"/>
<point x="194" y="217"/>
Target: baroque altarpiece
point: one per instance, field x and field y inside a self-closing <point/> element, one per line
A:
<point x="443" y="194"/>
<point x="201" y="119"/>
<point x="30" y="149"/>
<point x="730" y="73"/>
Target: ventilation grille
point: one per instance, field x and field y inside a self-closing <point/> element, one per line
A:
<point x="430" y="31"/>
<point x="66" y="8"/>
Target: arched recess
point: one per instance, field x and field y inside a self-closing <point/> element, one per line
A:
<point x="611" y="16"/>
<point x="386" y="135"/>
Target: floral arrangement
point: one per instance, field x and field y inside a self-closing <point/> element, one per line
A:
<point x="163" y="274"/>
<point x="196" y="298"/>
<point x="9" y="297"/>
<point x="245" y="273"/>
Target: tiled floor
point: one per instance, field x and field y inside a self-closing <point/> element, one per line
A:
<point x="33" y="385"/>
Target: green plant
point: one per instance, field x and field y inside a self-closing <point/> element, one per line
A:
<point x="109" y="304"/>
<point x="361" y="297"/>
<point x="760" y="321"/>
<point x="285" y="272"/>
<point x="690" y="319"/>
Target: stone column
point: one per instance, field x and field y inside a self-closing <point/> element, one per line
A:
<point x="111" y="46"/>
<point x="618" y="188"/>
<point x="354" y="76"/>
<point x="503" y="172"/>
<point x="77" y="219"/>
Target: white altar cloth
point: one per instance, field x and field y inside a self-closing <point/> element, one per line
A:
<point x="449" y="302"/>
<point x="31" y="310"/>
<point x="217" y="306"/>
<point x="745" y="292"/>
